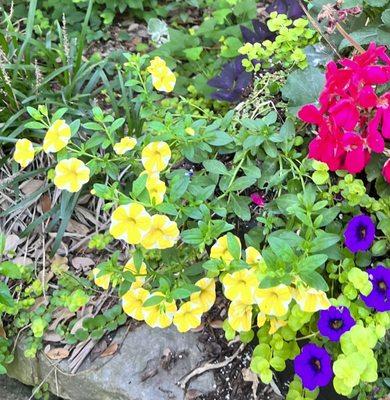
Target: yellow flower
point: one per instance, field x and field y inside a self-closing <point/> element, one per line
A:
<point x="311" y="300"/>
<point x="57" y="137"/>
<point x="163" y="233"/>
<point x="255" y="260"/>
<point x="274" y="301"/>
<point x="71" y="174"/>
<point x="156" y="189"/>
<point x="188" y="316"/>
<point x="24" y="152"/>
<point x="101" y="281"/>
<point x="240" y="316"/>
<point x="156" y="156"/>
<point x="140" y="275"/>
<point x="190" y="131"/>
<point x="276" y="324"/>
<point x="220" y="249"/>
<point x="125" y="144"/>
<point x="132" y="302"/>
<point x="162" y="77"/>
<point x="130" y="223"/>
<point x="241" y="286"/>
<point x="159" y="315"/>
<point x="206" y="297"/>
<point x="261" y="319"/>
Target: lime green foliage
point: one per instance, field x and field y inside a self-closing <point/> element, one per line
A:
<point x="360" y="280"/>
<point x="287" y="49"/>
<point x="297" y="392"/>
<point x="320" y="174"/>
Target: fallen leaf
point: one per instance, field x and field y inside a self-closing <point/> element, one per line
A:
<point x="31" y="186"/>
<point x="52" y="337"/>
<point x="11" y="243"/>
<point x="22" y="260"/>
<point x="82" y="262"/>
<point x="110" y="350"/>
<point x="58" y="353"/>
<point x="217" y="324"/>
<point x="193" y="394"/>
<point x="45" y="203"/>
<point x="59" y="264"/>
<point x="2" y="331"/>
<point x="77" y="227"/>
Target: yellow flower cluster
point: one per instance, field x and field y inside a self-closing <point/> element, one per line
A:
<point x="71" y="174"/>
<point x="24" y="152"/>
<point x="133" y="224"/>
<point x="57" y="137"/>
<point x="124" y="145"/>
<point x="163" y="78"/>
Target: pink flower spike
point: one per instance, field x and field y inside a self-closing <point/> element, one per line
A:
<point x="345" y="114"/>
<point x="367" y="97"/>
<point x="356" y="157"/>
<point x="258" y="199"/>
<point x="309" y="113"/>
<point x="376" y="75"/>
<point x="386" y="171"/>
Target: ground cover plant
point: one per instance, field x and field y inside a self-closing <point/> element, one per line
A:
<point x="240" y="155"/>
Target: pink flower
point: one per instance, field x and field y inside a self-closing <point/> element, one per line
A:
<point x="258" y="199"/>
<point x="345" y="114"/>
<point x="356" y="157"/>
<point x="386" y="171"/>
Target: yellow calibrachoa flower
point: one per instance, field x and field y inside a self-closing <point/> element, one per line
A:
<point x="159" y="315"/>
<point x="311" y="300"/>
<point x="240" y="316"/>
<point x="71" y="174"/>
<point x="24" y="152"/>
<point x="206" y="297"/>
<point x="276" y="324"/>
<point x="189" y="316"/>
<point x="155" y="156"/>
<point x="255" y="259"/>
<point x="156" y="189"/>
<point x="126" y="144"/>
<point x="57" y="137"/>
<point x="132" y="302"/>
<point x="274" y="300"/>
<point x="163" y="233"/>
<point x="261" y="319"/>
<point x="130" y="222"/>
<point x="220" y="249"/>
<point x="241" y="286"/>
<point x="162" y="77"/>
<point x="101" y="281"/>
<point x="139" y="280"/>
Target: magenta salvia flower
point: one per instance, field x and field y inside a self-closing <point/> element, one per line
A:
<point x="379" y="298"/>
<point x="335" y="321"/>
<point x="314" y="366"/>
<point x="359" y="234"/>
<point x="258" y="199"/>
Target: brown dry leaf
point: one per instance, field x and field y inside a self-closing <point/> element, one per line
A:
<point x="31" y="186"/>
<point x="59" y="264"/>
<point x="58" y="354"/>
<point x="216" y="324"/>
<point x="11" y="243"/>
<point x="193" y="394"/>
<point x="198" y="328"/>
<point x="60" y="315"/>
<point x="79" y="323"/>
<point x="250" y="376"/>
<point x="82" y="262"/>
<point x="45" y="203"/>
<point x="110" y="350"/>
<point x="45" y="276"/>
<point x="22" y="260"/>
<point x="77" y="227"/>
<point x="38" y="302"/>
<point x="2" y="331"/>
<point x="52" y="337"/>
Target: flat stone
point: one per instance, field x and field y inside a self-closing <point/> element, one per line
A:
<point x="138" y="371"/>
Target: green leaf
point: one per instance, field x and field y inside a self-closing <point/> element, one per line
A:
<point x="178" y="186"/>
<point x="139" y="185"/>
<point x="314" y="279"/>
<point x="220" y="139"/>
<point x="281" y="248"/>
<point x="323" y="241"/>
<point x="211" y="265"/>
<point x="180" y="293"/>
<point x="386" y="17"/>
<point x="193" y="53"/>
<point x="153" y="301"/>
<point x="34" y="125"/>
<point x="192" y="236"/>
<point x="312" y="262"/>
<point x="362" y="36"/>
<point x="5" y="295"/>
<point x="377" y="3"/>
<point x="215" y="167"/>
<point x="241" y="207"/>
<point x="234" y="246"/>
<point x="242" y="183"/>
<point x="11" y="270"/>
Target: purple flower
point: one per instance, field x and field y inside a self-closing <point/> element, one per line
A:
<point x="314" y="366"/>
<point x="379" y="298"/>
<point x="259" y="34"/>
<point x="335" y="321"/>
<point x="359" y="234"/>
<point x="232" y="83"/>
<point x="258" y="199"/>
<point x="291" y="8"/>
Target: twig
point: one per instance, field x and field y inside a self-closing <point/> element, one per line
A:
<point x="209" y="366"/>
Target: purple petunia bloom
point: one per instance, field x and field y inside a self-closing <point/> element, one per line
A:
<point x="232" y="82"/>
<point x="359" y="234"/>
<point x="314" y="366"/>
<point x="335" y="321"/>
<point x="291" y="8"/>
<point x="379" y="298"/>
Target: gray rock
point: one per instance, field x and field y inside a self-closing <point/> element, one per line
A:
<point x="136" y="372"/>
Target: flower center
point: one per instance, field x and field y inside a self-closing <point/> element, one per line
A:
<point x="336" y="324"/>
<point x="362" y="232"/>
<point x="382" y="286"/>
<point x="315" y="362"/>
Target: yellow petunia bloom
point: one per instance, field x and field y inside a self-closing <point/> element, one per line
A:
<point x="156" y="189"/>
<point x="274" y="301"/>
<point x="126" y="144"/>
<point x="155" y="156"/>
<point x="163" y="78"/>
<point x="240" y="316"/>
<point x="101" y="281"/>
<point x="255" y="259"/>
<point x="276" y="324"/>
<point x="311" y="300"/>
<point x="140" y="275"/>
<point x="130" y="222"/>
<point x="220" y="249"/>
<point x="24" y="152"/>
<point x="132" y="302"/>
<point x="163" y="233"/>
<point x="206" y="297"/>
<point x="57" y="137"/>
<point x="261" y="319"/>
<point x="71" y="174"/>
<point x="241" y="286"/>
<point x="159" y="315"/>
<point x="189" y="316"/>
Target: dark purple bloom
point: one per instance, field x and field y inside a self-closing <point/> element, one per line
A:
<point x="359" y="234"/>
<point x="379" y="298"/>
<point x="232" y="83"/>
<point x="259" y="34"/>
<point x="291" y="8"/>
<point x="335" y="321"/>
<point x="314" y="366"/>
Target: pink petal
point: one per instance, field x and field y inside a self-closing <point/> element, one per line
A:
<point x="386" y="123"/>
<point x="355" y="161"/>
<point x="345" y="114"/>
<point x="367" y="97"/>
<point x="375" y="142"/>
<point x="309" y="113"/>
<point x="386" y="171"/>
